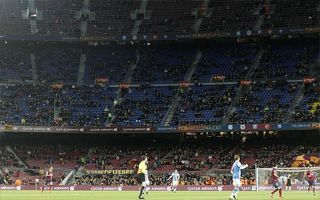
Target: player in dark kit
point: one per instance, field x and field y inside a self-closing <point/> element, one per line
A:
<point x="311" y="178"/>
<point x="288" y="185"/>
<point x="48" y="179"/>
<point x="275" y="182"/>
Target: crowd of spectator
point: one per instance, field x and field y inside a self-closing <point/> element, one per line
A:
<point x="291" y="14"/>
<point x="309" y="108"/>
<point x="15" y="63"/>
<point x="143" y="106"/>
<point x="57" y="100"/>
<point x="53" y="66"/>
<point x="7" y="159"/>
<point x="114" y="18"/>
<point x="225" y="64"/>
<point x="287" y="61"/>
<point x="229" y="16"/>
<point x="199" y="160"/>
<point x="203" y="105"/>
<point x="266" y="102"/>
<point x="163" y="65"/>
<point x="40" y="156"/>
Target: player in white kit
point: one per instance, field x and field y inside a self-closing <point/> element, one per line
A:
<point x="236" y="176"/>
<point x="175" y="176"/>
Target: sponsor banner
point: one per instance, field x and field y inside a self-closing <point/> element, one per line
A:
<point x="170" y="129"/>
<point x="129" y="188"/>
<point x="316" y="125"/>
<point x="3" y="187"/>
<point x="184" y="84"/>
<point x="44" y="129"/>
<point x="109" y="171"/>
<point x="305" y="187"/>
<point x="309" y="79"/>
<point x="245" y="82"/>
<point x="164" y="36"/>
<point x="296" y="187"/>
<point x="99" y="188"/>
<point x="218" y="78"/>
<point x="164" y="129"/>
<point x="57" y="85"/>
<point x="39" y="37"/>
<point x="163" y="188"/>
<point x="191" y="128"/>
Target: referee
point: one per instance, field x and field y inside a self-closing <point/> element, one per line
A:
<point x="142" y="170"/>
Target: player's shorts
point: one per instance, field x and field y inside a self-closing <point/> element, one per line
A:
<point x="311" y="183"/>
<point x="237" y="182"/>
<point x="141" y="178"/>
<point x="48" y="182"/>
<point x="146" y="180"/>
<point x="277" y="185"/>
<point x="175" y="183"/>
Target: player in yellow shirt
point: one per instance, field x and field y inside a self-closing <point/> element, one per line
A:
<point x="142" y="171"/>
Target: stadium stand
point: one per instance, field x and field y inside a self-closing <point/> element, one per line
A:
<point x="294" y="13"/>
<point x="213" y="90"/>
<point x="230" y="16"/>
<point x="199" y="160"/>
<point x="15" y="63"/>
<point x="178" y="17"/>
<point x="227" y="63"/>
<point x="90" y="66"/>
<point x="54" y="66"/>
<point x="308" y="109"/>
<point x="163" y="65"/>
<point x="203" y="104"/>
<point x="112" y="17"/>
<point x="266" y="102"/>
<point x="58" y="17"/>
<point x="289" y="61"/>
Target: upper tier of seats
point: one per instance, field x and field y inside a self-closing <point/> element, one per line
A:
<point x="114" y="18"/>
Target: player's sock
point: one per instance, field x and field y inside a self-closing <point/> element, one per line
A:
<point x="141" y="191"/>
<point x="42" y="188"/>
<point x="314" y="190"/>
<point x="146" y="190"/>
<point x="280" y="193"/>
<point x="308" y="189"/>
<point x="234" y="193"/>
<point x="274" y="191"/>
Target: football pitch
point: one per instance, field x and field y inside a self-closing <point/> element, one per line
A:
<point x="85" y="195"/>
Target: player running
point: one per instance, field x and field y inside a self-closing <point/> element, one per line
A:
<point x="276" y="182"/>
<point x="48" y="179"/>
<point x="175" y="180"/>
<point x="236" y="176"/>
<point x="142" y="171"/>
<point x="311" y="178"/>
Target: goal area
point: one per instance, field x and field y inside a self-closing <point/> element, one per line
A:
<point x="297" y="175"/>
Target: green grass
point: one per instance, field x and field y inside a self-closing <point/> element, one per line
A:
<point x="85" y="195"/>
